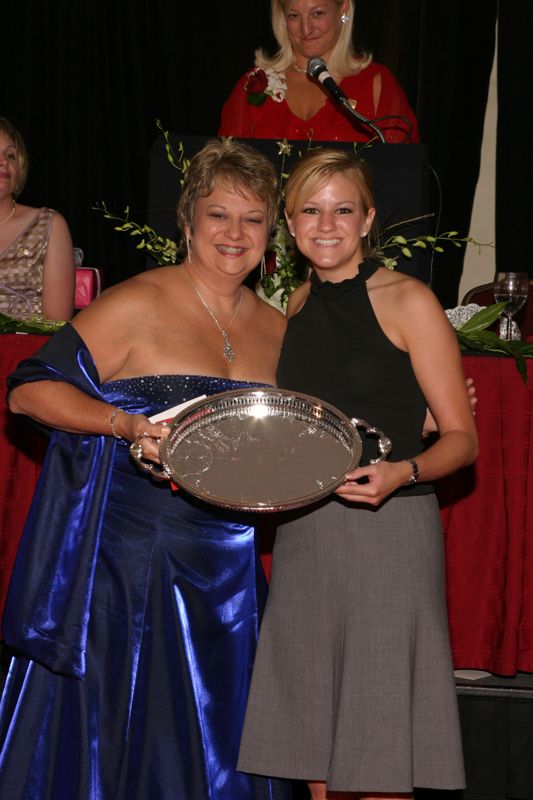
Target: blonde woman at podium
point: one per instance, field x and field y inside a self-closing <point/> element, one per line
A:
<point x="277" y="99"/>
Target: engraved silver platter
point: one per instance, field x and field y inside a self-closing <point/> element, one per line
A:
<point x="263" y="449"/>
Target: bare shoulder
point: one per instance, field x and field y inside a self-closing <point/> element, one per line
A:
<point x="116" y="325"/>
<point x="298" y="298"/>
<point x="406" y="308"/>
<point x="60" y="241"/>
<point x="59" y="223"/>
<point x="404" y="291"/>
<point x="268" y="316"/>
<point x="125" y="304"/>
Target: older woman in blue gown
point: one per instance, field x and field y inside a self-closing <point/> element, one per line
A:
<point x="134" y="609"/>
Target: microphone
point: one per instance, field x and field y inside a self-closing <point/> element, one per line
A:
<point x="317" y="70"/>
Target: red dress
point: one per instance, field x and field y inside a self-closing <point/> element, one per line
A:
<point x="273" y="120"/>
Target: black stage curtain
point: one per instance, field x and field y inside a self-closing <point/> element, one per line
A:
<point x="85" y="82"/>
<point x="442" y="52"/>
<point x="514" y="162"/>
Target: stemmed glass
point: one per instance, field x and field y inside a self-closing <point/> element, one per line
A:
<point x="511" y="288"/>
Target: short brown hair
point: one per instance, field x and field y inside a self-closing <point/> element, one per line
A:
<point x="12" y="133"/>
<point x="232" y="164"/>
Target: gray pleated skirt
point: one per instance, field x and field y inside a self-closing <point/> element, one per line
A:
<point x="353" y="681"/>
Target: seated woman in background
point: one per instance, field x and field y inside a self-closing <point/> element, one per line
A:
<point x="36" y="256"/>
<point x="278" y="100"/>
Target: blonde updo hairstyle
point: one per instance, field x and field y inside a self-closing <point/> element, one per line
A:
<point x="9" y="130"/>
<point x="343" y="60"/>
<point x="235" y="166"/>
<point x="315" y="167"/>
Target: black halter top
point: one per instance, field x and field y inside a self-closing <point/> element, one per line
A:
<point x="335" y="349"/>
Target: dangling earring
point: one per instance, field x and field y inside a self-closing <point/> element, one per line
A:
<point x="345" y="19"/>
<point x="188" y="243"/>
<point x="263" y="267"/>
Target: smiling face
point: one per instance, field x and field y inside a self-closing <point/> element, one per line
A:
<point x="9" y="165"/>
<point x="230" y="232"/>
<point x="329" y="225"/>
<point x="313" y="27"/>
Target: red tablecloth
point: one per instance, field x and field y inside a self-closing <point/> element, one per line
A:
<point x="21" y="452"/>
<point x="487" y="514"/>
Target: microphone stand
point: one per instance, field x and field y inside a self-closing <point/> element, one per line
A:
<point x="345" y="103"/>
<point x="317" y="70"/>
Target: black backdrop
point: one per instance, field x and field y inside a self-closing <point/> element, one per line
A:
<point x="85" y="81"/>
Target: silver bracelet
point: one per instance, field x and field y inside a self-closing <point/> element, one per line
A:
<point x="112" y="422"/>
<point x="415" y="475"/>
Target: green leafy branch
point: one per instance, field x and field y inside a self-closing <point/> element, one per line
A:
<point x="424" y="242"/>
<point x="473" y="335"/>
<point x="161" y="248"/>
<point x="177" y="160"/>
<point x="9" y="324"/>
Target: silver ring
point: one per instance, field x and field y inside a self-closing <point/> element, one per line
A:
<point x="147" y="466"/>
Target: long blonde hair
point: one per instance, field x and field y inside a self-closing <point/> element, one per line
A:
<point x="343" y="60"/>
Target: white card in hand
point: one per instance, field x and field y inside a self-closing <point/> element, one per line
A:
<point x="168" y="414"/>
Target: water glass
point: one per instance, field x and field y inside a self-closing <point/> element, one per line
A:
<point x="511" y="288"/>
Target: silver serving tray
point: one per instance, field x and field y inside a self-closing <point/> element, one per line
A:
<point x="263" y="449"/>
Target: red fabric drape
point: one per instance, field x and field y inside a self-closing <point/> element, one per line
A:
<point x="487" y="513"/>
<point x="21" y="452"/>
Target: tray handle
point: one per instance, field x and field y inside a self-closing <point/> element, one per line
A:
<point x="384" y="444"/>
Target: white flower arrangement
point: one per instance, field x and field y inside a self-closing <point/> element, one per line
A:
<point x="277" y="86"/>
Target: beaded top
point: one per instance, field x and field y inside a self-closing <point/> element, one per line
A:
<point x="21" y="268"/>
<point x="157" y="392"/>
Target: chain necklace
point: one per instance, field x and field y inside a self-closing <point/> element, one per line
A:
<point x="10" y="214"/>
<point x="229" y="353"/>
<point x="301" y="70"/>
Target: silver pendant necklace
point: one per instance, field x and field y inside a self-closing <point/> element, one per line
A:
<point x="229" y="353"/>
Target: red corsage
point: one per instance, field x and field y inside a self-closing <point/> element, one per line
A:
<point x="255" y="86"/>
<point x="261" y="84"/>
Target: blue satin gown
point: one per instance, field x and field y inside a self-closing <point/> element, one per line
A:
<point x="135" y="609"/>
